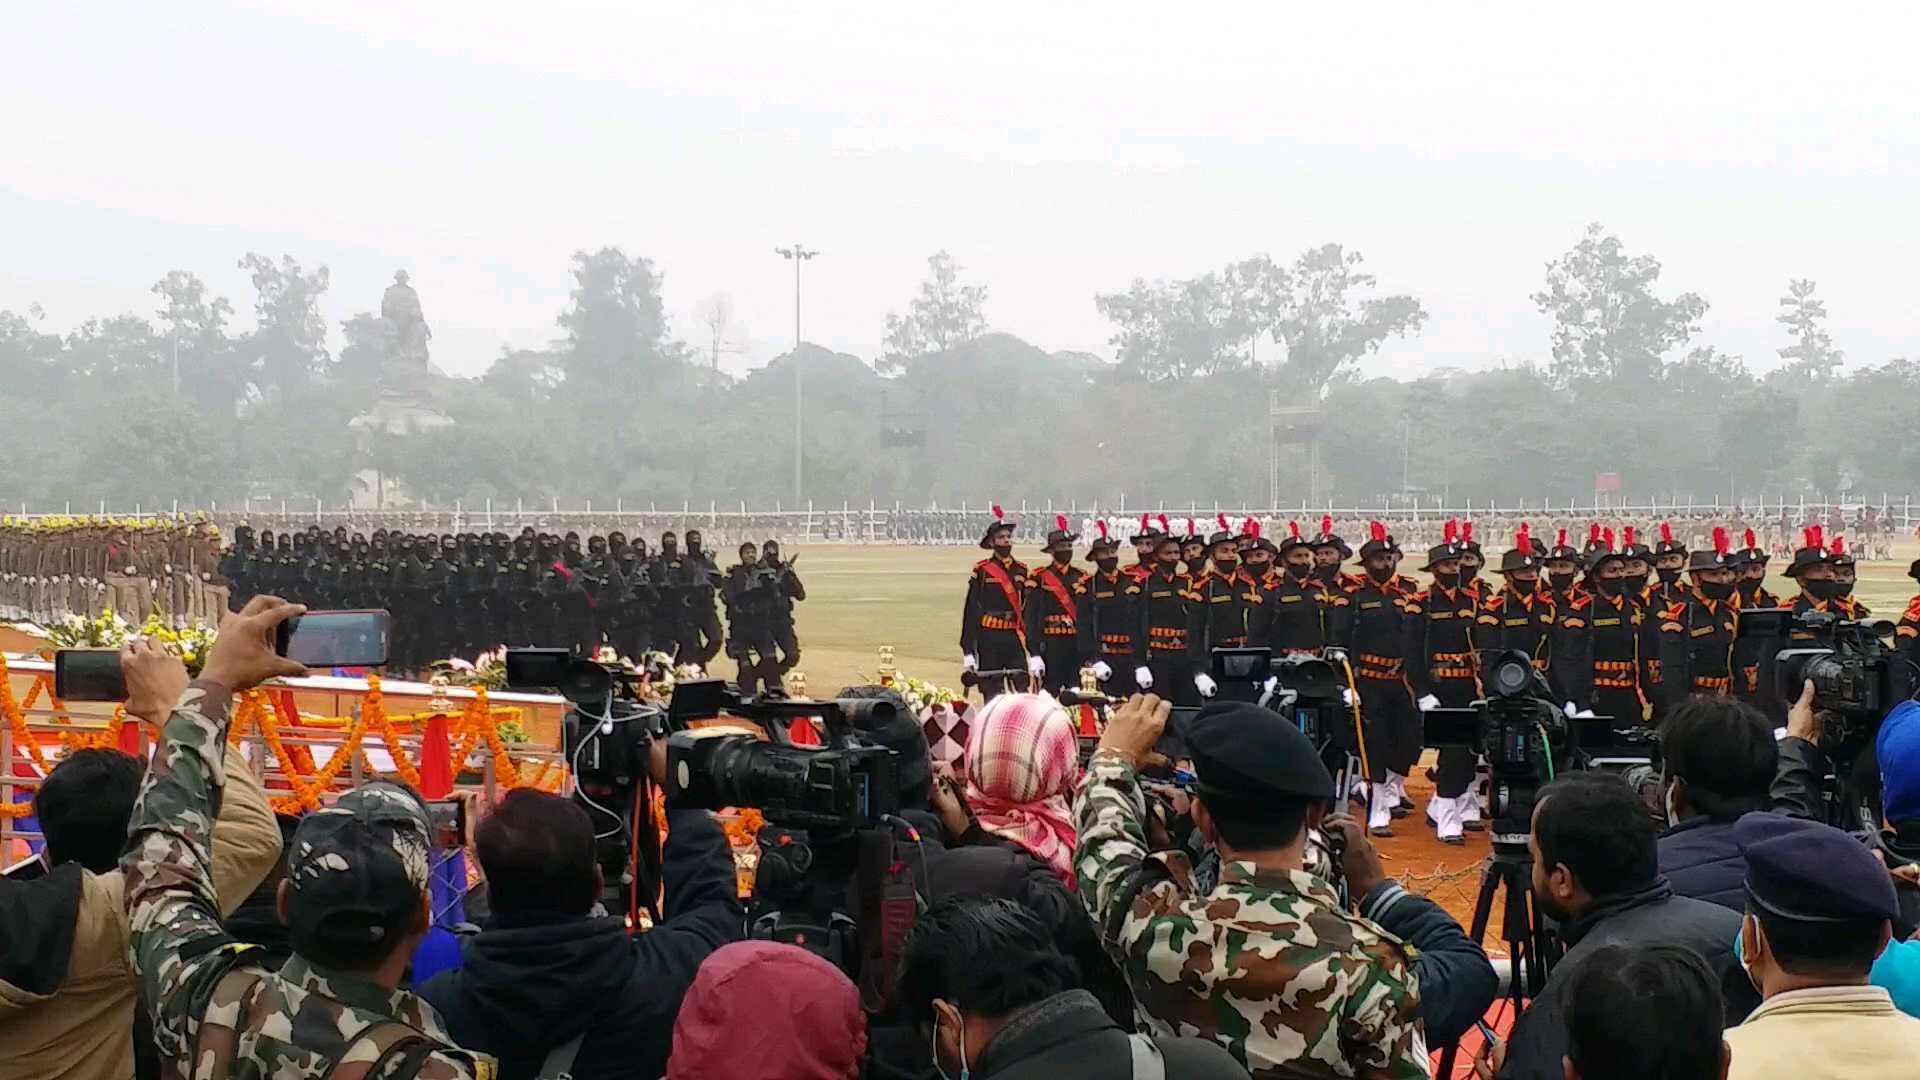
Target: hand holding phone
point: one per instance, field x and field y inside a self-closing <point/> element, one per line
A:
<point x="243" y="656"/>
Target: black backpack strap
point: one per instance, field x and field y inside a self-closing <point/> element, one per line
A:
<point x="399" y="1051"/>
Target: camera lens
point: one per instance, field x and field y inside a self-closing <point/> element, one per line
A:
<point x="1511" y="676"/>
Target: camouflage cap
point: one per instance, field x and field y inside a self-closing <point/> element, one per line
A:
<point x="357" y="865"/>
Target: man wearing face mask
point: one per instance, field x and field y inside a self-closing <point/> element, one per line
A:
<point x="1639" y="566"/>
<point x="1826" y="575"/>
<point x="1377" y="641"/>
<point x="1563" y="571"/>
<point x="1696" y="634"/>
<point x="703" y="627"/>
<point x="1440" y="668"/>
<point x="1294" y="614"/>
<point x="1521" y="615"/>
<point x="1599" y="643"/>
<point x="1718" y="761"/>
<point x="1143" y="545"/>
<point x="1596" y="872"/>
<point x="1750" y="592"/>
<point x="1329" y="551"/>
<point x="1193" y="551"/>
<point x="1109" y="621"/>
<point x="1472" y="560"/>
<point x="1052" y="616"/>
<point x="1165" y="613"/>
<point x="1225" y="598"/>
<point x="1669" y="561"/>
<point x="992" y="630"/>
<point x="1818" y="915"/>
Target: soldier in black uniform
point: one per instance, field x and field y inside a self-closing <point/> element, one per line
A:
<point x="1052" y="614"/>
<point x="1563" y="571"/>
<point x="750" y="591"/>
<point x="1522" y="615"/>
<point x="1377" y="641"/>
<point x="1193" y="551"/>
<point x="671" y="619"/>
<point x="1299" y="613"/>
<point x="605" y="590"/>
<point x="1639" y="566"/>
<point x="1472" y="561"/>
<point x="703" y="619"/>
<point x="1441" y="670"/>
<point x="1225" y="602"/>
<point x="1143" y="545"/>
<point x="1826" y="575"/>
<point x="1602" y="646"/>
<point x="1166" y="597"/>
<point x="791" y="591"/>
<point x="1697" y="632"/>
<point x="992" y="633"/>
<point x="521" y="580"/>
<point x="1329" y="554"/>
<point x="1109" y="621"/>
<point x="1669" y="562"/>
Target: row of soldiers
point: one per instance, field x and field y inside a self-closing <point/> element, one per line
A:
<point x="59" y="566"/>
<point x="460" y="594"/>
<point x="1617" y="628"/>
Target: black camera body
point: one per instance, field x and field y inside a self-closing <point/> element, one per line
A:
<point x="1305" y="690"/>
<point x="840" y="787"/>
<point x="1517" y="728"/>
<point x="1856" y="678"/>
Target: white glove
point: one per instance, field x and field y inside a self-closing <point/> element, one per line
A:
<point x="1569" y="710"/>
<point x="1143" y="678"/>
<point x="1206" y="685"/>
<point x="1036" y="667"/>
<point x="969" y="662"/>
<point x="1346" y="696"/>
<point x="1429" y="702"/>
<point x="1101" y="671"/>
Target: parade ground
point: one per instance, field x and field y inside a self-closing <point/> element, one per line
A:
<point x="860" y="597"/>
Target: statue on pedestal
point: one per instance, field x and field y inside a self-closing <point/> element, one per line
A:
<point x="407" y="334"/>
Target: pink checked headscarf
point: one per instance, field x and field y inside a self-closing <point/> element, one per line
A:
<point x="1022" y="764"/>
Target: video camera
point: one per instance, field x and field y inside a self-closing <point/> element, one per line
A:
<point x="1856" y="678"/>
<point x="835" y="788"/>
<point x="1304" y="689"/>
<point x="1517" y="728"/>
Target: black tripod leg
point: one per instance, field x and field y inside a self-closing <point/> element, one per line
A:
<point x="1491" y="880"/>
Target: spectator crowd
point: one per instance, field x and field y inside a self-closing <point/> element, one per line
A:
<point x="1061" y="917"/>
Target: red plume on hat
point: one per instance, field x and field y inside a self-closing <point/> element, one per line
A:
<point x="999" y="514"/>
<point x="1721" y="543"/>
<point x="1839" y="546"/>
<point x="1523" y="539"/>
<point x="1190" y="529"/>
<point x="1101" y="524"/>
<point x="1751" y="540"/>
<point x="1466" y="532"/>
<point x="1326" y="524"/>
<point x="1451" y="534"/>
<point x="1377" y="532"/>
<point x="1593" y="533"/>
<point x="1560" y="540"/>
<point x="1224" y="527"/>
<point x="1163" y="525"/>
<point x="1060" y="522"/>
<point x="1606" y="537"/>
<point x="1666" y="532"/>
<point x="1626" y="536"/>
<point x="1253" y="528"/>
<point x="1293" y="527"/>
<point x="1144" y="523"/>
<point x="1816" y="536"/>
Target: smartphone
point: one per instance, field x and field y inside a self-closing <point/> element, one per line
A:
<point x="88" y="675"/>
<point x="324" y="639"/>
<point x="1487" y="1033"/>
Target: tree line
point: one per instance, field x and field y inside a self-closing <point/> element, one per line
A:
<point x="180" y="404"/>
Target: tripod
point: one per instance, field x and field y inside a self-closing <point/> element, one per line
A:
<point x="1510" y="872"/>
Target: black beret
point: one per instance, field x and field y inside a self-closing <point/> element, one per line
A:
<point x="1809" y="872"/>
<point x="1243" y="751"/>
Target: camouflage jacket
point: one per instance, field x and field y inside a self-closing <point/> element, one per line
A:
<point x="217" y="1012"/>
<point x="1268" y="964"/>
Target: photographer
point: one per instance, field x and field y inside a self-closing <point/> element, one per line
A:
<point x="545" y="970"/>
<point x="67" y="989"/>
<point x="1596" y="872"/>
<point x="1719" y="762"/>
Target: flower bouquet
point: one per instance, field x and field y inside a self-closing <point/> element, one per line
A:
<point x="106" y="630"/>
<point x="190" y="643"/>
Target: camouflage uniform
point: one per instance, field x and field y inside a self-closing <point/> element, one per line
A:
<point x="212" y="1003"/>
<point x="1269" y="964"/>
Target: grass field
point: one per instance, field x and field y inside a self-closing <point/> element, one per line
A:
<point x="862" y="597"/>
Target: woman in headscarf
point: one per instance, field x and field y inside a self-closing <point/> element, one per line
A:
<point x="761" y="1010"/>
<point x="1022" y="762"/>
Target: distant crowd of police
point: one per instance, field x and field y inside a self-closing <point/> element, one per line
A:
<point x="1618" y="627"/>
<point x="460" y="594"/>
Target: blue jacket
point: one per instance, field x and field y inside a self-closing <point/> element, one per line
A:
<point x="1701" y="860"/>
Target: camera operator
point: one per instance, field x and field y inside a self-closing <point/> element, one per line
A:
<point x="1719" y="762"/>
<point x="545" y="969"/>
<point x="751" y="593"/>
<point x="956" y="856"/>
<point x="1267" y="928"/>
<point x="791" y="591"/>
<point x="67" y="990"/>
<point x="1596" y="871"/>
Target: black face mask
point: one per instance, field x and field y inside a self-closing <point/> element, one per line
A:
<point x="1226" y="566"/>
<point x="1829" y="590"/>
<point x="1560" y="582"/>
<point x="1447" y="580"/>
<point x="1716" y="590"/>
<point x="669" y="548"/>
<point x="1062" y="558"/>
<point x="1002" y="551"/>
<point x="1468" y="573"/>
<point x="1169" y="566"/>
<point x="1639" y="583"/>
<point x="1380" y="575"/>
<point x="1614" y="586"/>
<point x="1522" y="587"/>
<point x="1108" y="565"/>
<point x="1668" y="576"/>
<point x="1326" y="573"/>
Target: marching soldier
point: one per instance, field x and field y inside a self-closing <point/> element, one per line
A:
<point x="1143" y="545"/>
<point x="1697" y="633"/>
<point x="1193" y="551"/>
<point x="1441" y="670"/>
<point x="1751" y="562"/>
<point x="1109" y="622"/>
<point x="1300" y="614"/>
<point x="785" y="640"/>
<point x="1053" y="612"/>
<point x="1601" y="642"/>
<point x="992" y="633"/>
<point x="1165" y="625"/>
<point x="1472" y="561"/>
<point x="1563" y="571"/>
<point x="1377" y="641"/>
<point x="1521" y="615"/>
<point x="1826" y="575"/>
<point x="1639" y="566"/>
<point x="1669" y="561"/>
<point x="1225" y="599"/>
<point x="703" y="577"/>
<point x="749" y="595"/>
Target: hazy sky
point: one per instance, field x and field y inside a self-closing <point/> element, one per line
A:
<point x="1055" y="149"/>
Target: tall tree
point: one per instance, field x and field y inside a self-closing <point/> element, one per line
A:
<point x="287" y="350"/>
<point x="363" y="351"/>
<point x="195" y="325"/>
<point x="1325" y="328"/>
<point x="616" y="328"/>
<point x="1179" y="329"/>
<point x="1812" y="354"/>
<point x="716" y="316"/>
<point x="1609" y="326"/>
<point x="946" y="314"/>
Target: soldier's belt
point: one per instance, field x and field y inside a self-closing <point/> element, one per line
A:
<point x="1230" y="643"/>
<point x="1059" y="631"/>
<point x="1719" y="684"/>
<point x="1117" y="639"/>
<point x="1614" y="682"/>
<point x="1375" y="660"/>
<point x="1167" y="645"/>
<point x="999" y="622"/>
<point x="1166" y="632"/>
<point x="1109" y="648"/>
<point x="1452" y="673"/>
<point x="1613" y="665"/>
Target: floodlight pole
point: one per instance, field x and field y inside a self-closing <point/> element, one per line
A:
<point x="796" y="255"/>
